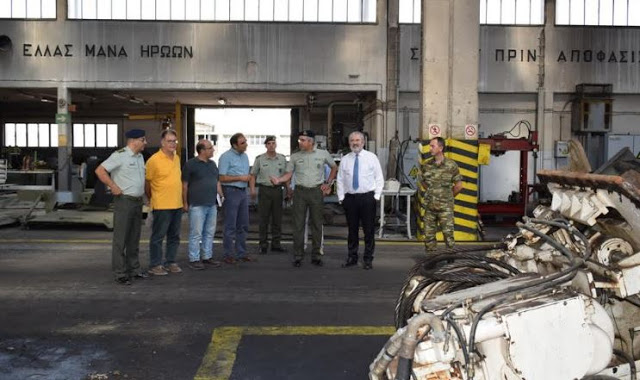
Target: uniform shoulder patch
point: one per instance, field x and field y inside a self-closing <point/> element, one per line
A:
<point x="121" y="150"/>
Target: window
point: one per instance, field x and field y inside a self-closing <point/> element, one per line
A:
<point x="493" y="12"/>
<point x="34" y="135"/>
<point x="256" y="139"/>
<point x="410" y="11"/>
<point x="95" y="135"/>
<point x="349" y="11"/>
<point x="598" y="12"/>
<point x="512" y="12"/>
<point x="28" y="9"/>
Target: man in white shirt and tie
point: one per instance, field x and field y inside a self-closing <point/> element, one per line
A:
<point x="360" y="185"/>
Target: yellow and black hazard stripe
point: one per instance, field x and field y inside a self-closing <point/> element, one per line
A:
<point x="465" y="154"/>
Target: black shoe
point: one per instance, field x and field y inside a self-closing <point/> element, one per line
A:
<point x="212" y="263"/>
<point x="367" y="266"/>
<point x="278" y="249"/>
<point x="350" y="263"/>
<point x="263" y="250"/>
<point x="196" y="265"/>
<point x="317" y="262"/>
<point x="297" y="263"/>
<point x="140" y="276"/>
<point x="123" y="281"/>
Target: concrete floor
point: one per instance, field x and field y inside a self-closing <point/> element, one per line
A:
<point x="63" y="316"/>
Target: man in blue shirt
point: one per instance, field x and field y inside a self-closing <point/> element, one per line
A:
<point x="234" y="176"/>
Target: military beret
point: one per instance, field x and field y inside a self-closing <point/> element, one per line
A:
<point x="134" y="134"/>
<point x="307" y="133"/>
<point x="270" y="138"/>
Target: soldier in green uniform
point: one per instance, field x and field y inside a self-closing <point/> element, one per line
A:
<point x="308" y="164"/>
<point x="442" y="180"/>
<point x="123" y="172"/>
<point x="270" y="196"/>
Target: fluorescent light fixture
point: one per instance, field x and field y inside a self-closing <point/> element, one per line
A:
<point x="28" y="95"/>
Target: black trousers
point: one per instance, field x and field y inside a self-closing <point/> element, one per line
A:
<point x="361" y="211"/>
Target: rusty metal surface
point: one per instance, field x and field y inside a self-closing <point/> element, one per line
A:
<point x="627" y="184"/>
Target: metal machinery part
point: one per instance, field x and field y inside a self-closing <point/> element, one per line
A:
<point x="546" y="303"/>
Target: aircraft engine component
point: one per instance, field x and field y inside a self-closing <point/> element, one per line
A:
<point x="540" y="305"/>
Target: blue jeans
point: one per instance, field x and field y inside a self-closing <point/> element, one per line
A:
<point x="165" y="223"/>
<point x="202" y="227"/>
<point x="236" y="221"/>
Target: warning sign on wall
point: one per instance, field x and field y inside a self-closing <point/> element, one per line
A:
<point x="414" y="172"/>
<point x="471" y="132"/>
<point x="435" y="131"/>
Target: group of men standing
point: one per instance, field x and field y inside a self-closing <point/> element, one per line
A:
<point x="201" y="185"/>
<point x="124" y="173"/>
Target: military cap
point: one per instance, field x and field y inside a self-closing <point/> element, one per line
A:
<point x="307" y="133"/>
<point x="270" y="138"/>
<point x="134" y="134"/>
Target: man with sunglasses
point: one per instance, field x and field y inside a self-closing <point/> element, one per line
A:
<point x="308" y="165"/>
<point x="123" y="173"/>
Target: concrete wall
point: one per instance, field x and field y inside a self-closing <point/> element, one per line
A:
<point x="626" y="114"/>
<point x="266" y="56"/>
<point x="510" y="58"/>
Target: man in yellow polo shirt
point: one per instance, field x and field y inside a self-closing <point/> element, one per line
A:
<point x="163" y="187"/>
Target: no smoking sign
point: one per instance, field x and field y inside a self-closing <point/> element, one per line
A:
<point x="470" y="131"/>
<point x="434" y="130"/>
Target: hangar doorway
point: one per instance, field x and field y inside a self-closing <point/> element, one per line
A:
<point x="219" y="124"/>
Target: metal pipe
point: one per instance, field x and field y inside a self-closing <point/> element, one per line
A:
<point x="565" y="252"/>
<point x="628" y="359"/>
<point x="567" y="227"/>
<point x="386" y="355"/>
<point x="410" y="340"/>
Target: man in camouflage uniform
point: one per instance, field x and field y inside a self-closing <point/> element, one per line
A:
<point x="442" y="180"/>
<point x="270" y="196"/>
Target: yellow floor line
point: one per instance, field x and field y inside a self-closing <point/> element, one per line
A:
<point x="220" y="355"/>
<point x="218" y="360"/>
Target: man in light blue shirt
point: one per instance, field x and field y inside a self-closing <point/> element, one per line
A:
<point x="234" y="177"/>
<point x="123" y="172"/>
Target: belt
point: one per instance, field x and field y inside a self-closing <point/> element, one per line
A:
<point x="234" y="187"/>
<point x="360" y="194"/>
<point x="130" y="197"/>
<point x="271" y="187"/>
<point x="307" y="188"/>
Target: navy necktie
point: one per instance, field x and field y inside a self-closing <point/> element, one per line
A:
<point x="355" y="174"/>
